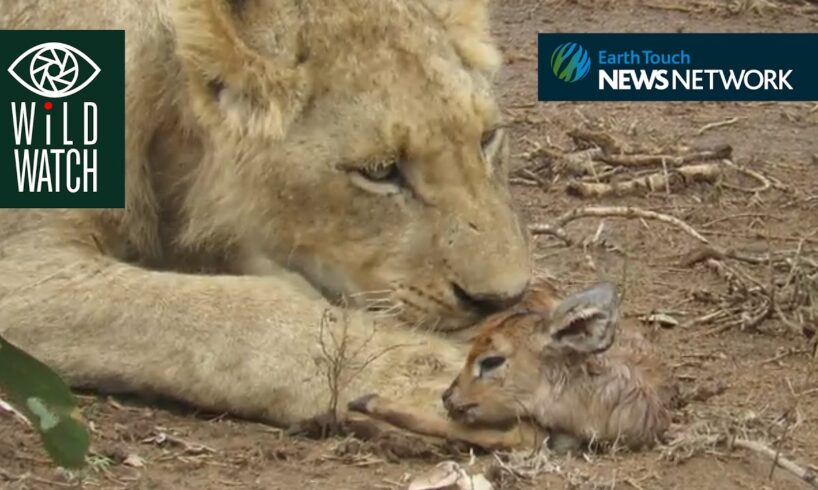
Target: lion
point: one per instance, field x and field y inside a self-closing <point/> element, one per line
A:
<point x="297" y="172"/>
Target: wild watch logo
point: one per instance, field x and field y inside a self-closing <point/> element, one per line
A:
<point x="63" y="131"/>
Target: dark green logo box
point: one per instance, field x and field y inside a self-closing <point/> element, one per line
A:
<point x="62" y="119"/>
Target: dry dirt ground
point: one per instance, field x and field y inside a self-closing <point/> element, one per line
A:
<point x="765" y="365"/>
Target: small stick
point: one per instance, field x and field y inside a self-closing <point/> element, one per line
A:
<point x="667" y="178"/>
<point x="557" y="232"/>
<point x="719" y="124"/>
<point x="523" y="181"/>
<point x="794" y="327"/>
<point x="674" y="8"/>
<point x="529" y="174"/>
<point x="786" y="353"/>
<point x="804" y="474"/>
<point x="765" y="182"/>
<point x="22" y="478"/>
<point x="750" y="324"/>
<point x="737" y="216"/>
<point x="705" y="318"/>
<point x="757" y="235"/>
<point x="627" y="212"/>
<point x="718" y="253"/>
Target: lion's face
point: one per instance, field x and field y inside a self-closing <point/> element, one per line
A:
<point x="387" y="182"/>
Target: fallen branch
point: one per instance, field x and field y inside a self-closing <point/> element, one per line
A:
<point x="718" y="152"/>
<point x="668" y="181"/>
<point x="627" y="212"/>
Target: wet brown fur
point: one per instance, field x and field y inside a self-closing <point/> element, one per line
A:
<point x="619" y="396"/>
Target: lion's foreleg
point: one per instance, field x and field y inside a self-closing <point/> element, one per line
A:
<point x="246" y="345"/>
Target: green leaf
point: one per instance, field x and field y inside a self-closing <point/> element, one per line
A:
<point x="46" y="400"/>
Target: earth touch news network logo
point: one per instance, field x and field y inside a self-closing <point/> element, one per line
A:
<point x="701" y="67"/>
<point x="62" y="125"/>
<point x="570" y="62"/>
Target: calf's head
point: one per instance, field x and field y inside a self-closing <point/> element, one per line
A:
<point x="523" y="355"/>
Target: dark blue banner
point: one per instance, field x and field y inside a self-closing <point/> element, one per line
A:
<point x="678" y="67"/>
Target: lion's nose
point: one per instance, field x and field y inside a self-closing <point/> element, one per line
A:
<point x="487" y="303"/>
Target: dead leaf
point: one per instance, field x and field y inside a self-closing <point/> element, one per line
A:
<point x="661" y="319"/>
<point x="450" y="476"/>
<point x="134" y="461"/>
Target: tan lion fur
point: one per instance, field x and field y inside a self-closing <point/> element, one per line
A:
<point x="246" y="124"/>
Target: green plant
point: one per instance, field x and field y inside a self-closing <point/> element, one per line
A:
<point x="44" y="399"/>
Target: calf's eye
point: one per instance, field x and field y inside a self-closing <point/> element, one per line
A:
<point x="490" y="363"/>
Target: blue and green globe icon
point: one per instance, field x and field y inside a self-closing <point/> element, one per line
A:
<point x="570" y="62"/>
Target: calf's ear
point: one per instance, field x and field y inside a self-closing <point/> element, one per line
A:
<point x="585" y="322"/>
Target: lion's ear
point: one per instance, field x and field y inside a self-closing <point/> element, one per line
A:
<point x="233" y="87"/>
<point x="467" y="22"/>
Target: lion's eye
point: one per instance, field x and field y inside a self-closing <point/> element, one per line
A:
<point x="490" y="363"/>
<point x="382" y="174"/>
<point x="488" y="138"/>
<point x="379" y="175"/>
<point x="386" y="171"/>
<point x="490" y="143"/>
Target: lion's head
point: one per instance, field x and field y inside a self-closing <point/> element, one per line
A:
<point x="359" y="143"/>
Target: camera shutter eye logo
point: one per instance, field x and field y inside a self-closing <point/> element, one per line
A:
<point x="54" y="70"/>
<point x="570" y="62"/>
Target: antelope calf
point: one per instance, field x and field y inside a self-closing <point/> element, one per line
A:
<point x="558" y="363"/>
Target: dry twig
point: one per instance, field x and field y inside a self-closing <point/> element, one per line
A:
<point x="803" y="473"/>
<point x="5" y="475"/>
<point x="627" y="212"/>
<point x="718" y="253"/>
<point x="730" y="442"/>
<point x="666" y="181"/>
<point x="718" y="124"/>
